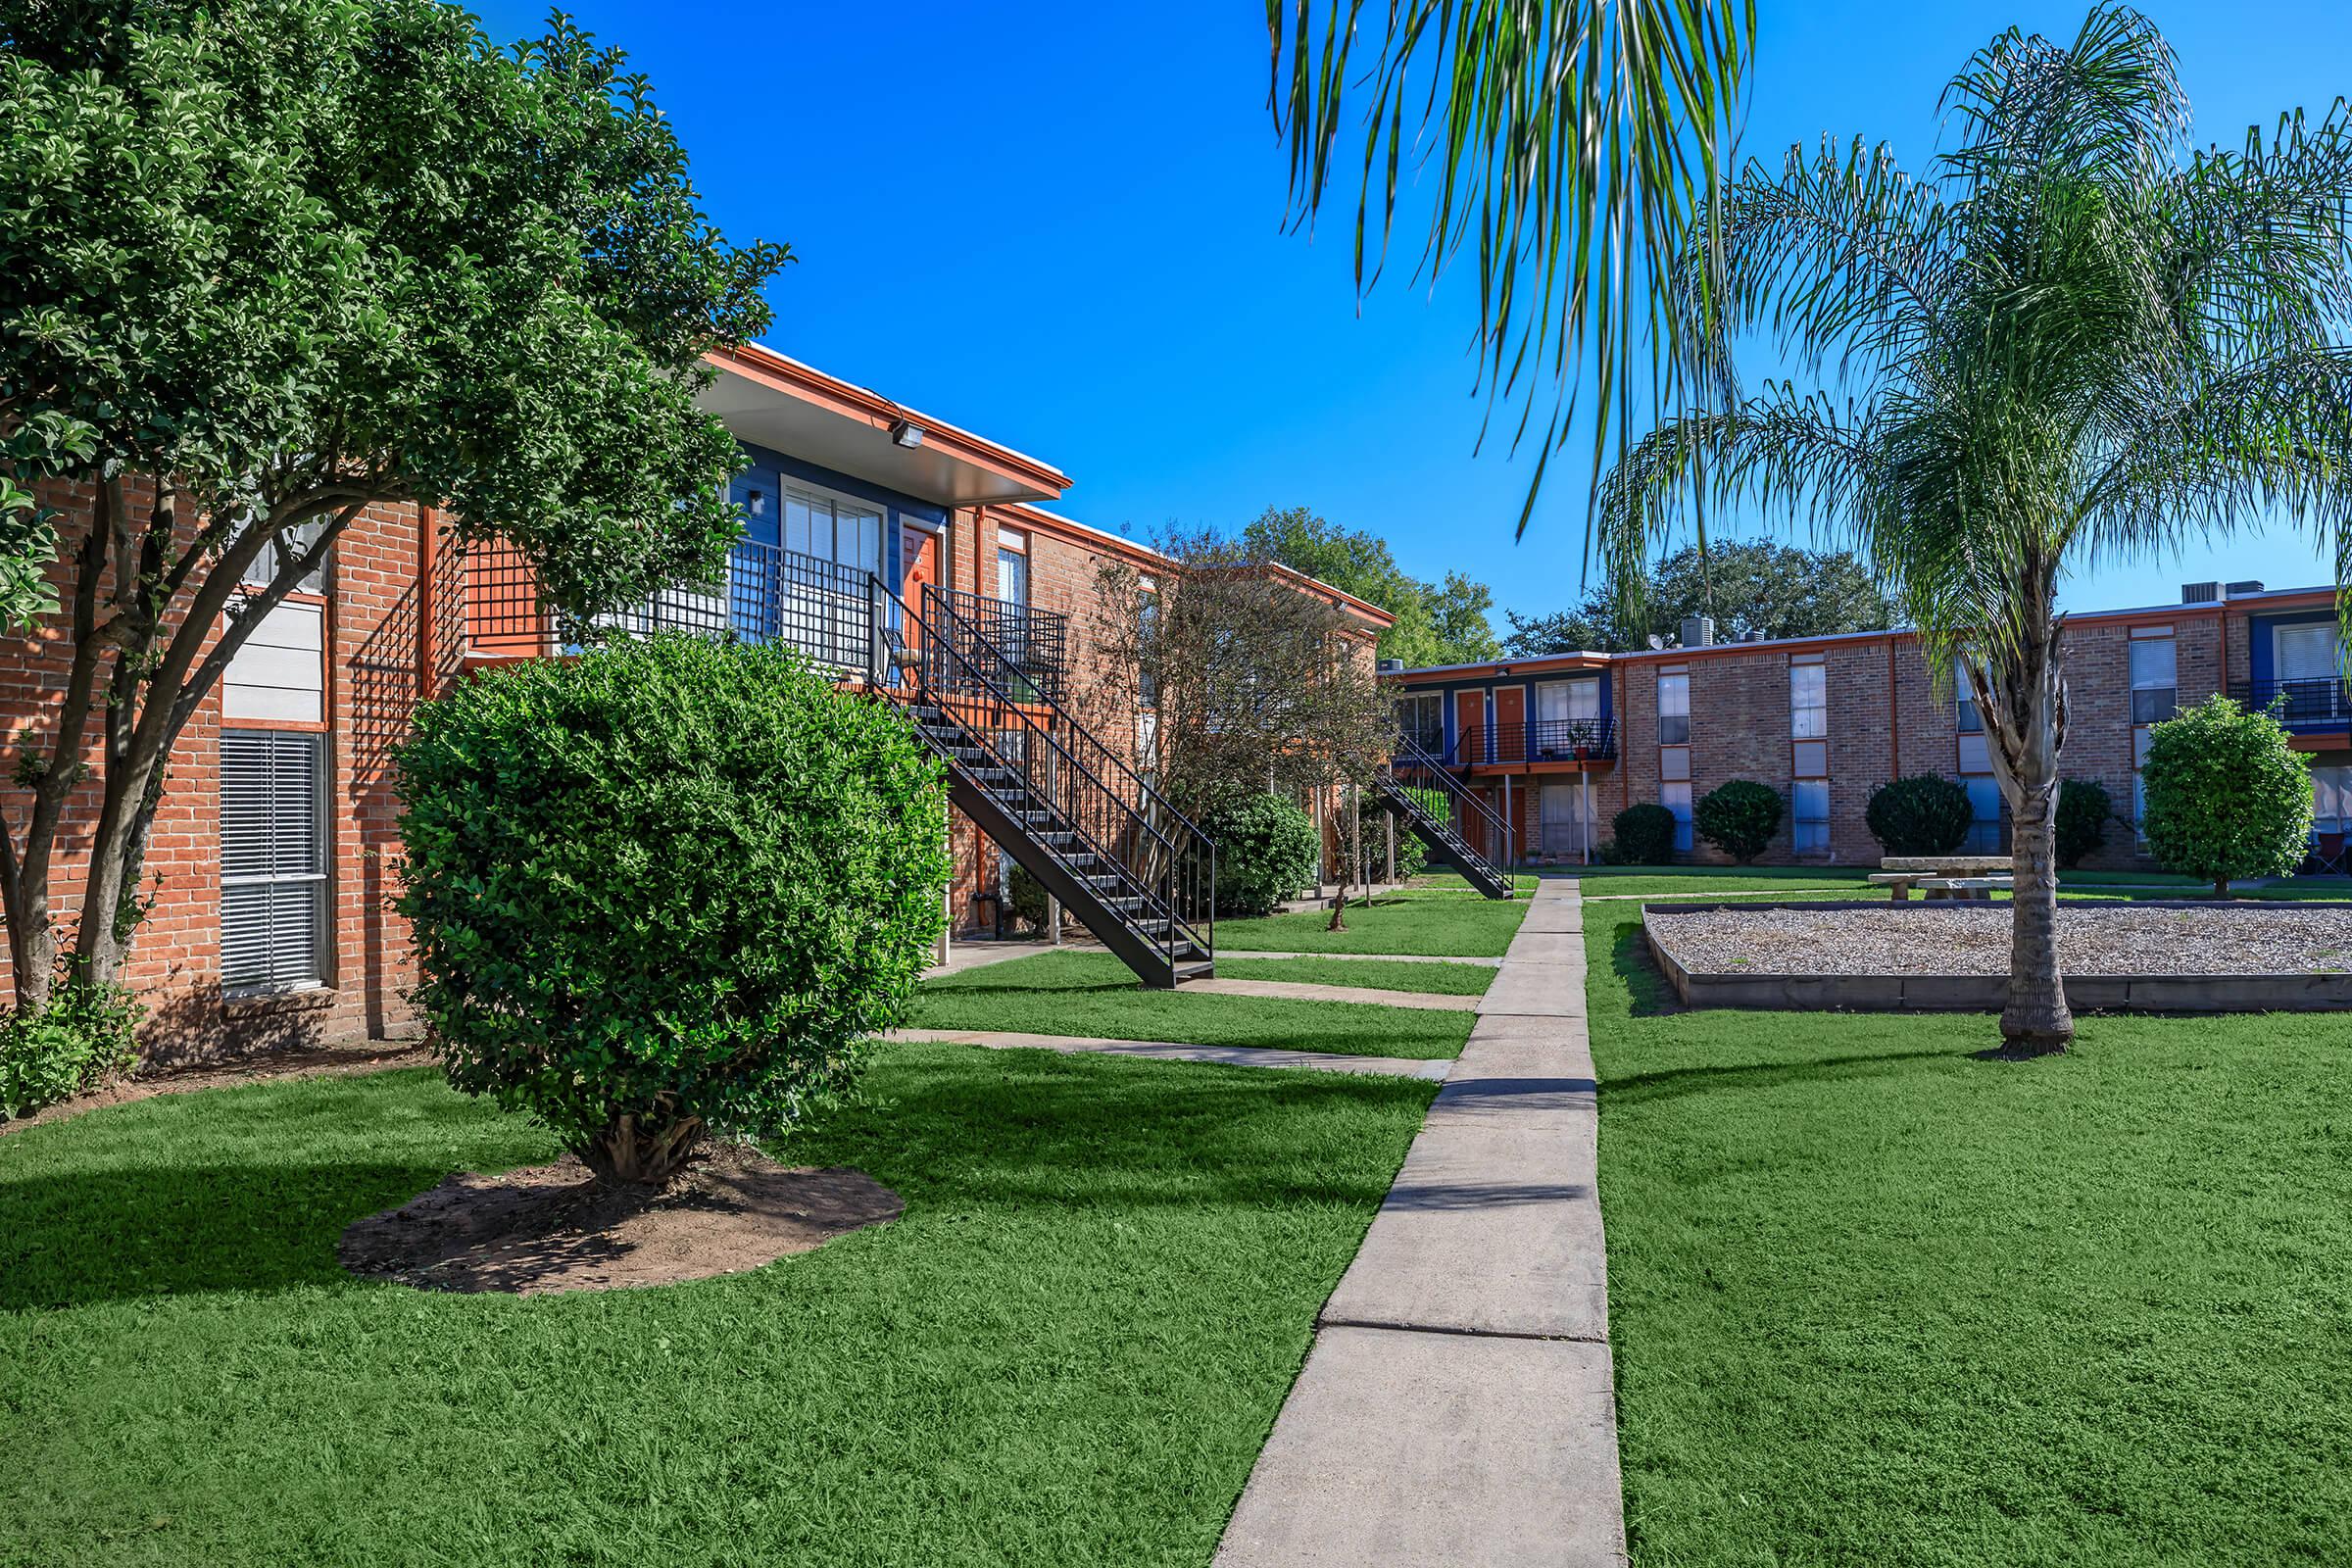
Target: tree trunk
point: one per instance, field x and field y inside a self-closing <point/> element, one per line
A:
<point x="2021" y="699"/>
<point x="2037" y="1019"/>
<point x="649" y="1148"/>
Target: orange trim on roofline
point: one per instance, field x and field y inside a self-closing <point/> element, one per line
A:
<point x="788" y="375"/>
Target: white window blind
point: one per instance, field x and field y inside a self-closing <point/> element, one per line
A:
<point x="273" y="860"/>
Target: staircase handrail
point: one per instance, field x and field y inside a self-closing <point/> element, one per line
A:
<point x="1409" y="751"/>
<point x="1147" y="809"/>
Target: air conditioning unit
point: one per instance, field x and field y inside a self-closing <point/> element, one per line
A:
<point x="1754" y="634"/>
<point x="1698" y="631"/>
<point x="2200" y="593"/>
<point x="2240" y="590"/>
<point x="1388" y="667"/>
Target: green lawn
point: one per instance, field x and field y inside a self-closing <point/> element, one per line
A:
<point x="1455" y="882"/>
<point x="1426" y="925"/>
<point x="1093" y="994"/>
<point x="1877" y="1301"/>
<point x="1069" y="1350"/>
<point x="1444" y="979"/>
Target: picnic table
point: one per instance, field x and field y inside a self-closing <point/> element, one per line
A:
<point x="1943" y="876"/>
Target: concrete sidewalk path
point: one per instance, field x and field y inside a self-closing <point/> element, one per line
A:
<point x="1456" y="1407"/>
<point x="1434" y="1069"/>
<point x="1316" y="991"/>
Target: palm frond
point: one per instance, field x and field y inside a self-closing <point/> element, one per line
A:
<point x="1572" y="141"/>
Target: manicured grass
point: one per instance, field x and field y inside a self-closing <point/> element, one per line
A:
<point x="1651" y="881"/>
<point x="1455" y="882"/>
<point x="1428" y="925"/>
<point x="1443" y="979"/>
<point x="1875" y="1300"/>
<point x="1093" y="994"/>
<point x="1069" y="1350"/>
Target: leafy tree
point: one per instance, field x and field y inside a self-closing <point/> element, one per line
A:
<point x="1739" y="817"/>
<point x="671" y="886"/>
<point x="1253" y="687"/>
<point x="2073" y="342"/>
<point x="2085" y="808"/>
<point x="1437" y="624"/>
<point x="1925" y="813"/>
<point x="2225" y="794"/>
<point x="1747" y="586"/>
<point x="1644" y="835"/>
<point x="1575" y="140"/>
<point x="265" y="264"/>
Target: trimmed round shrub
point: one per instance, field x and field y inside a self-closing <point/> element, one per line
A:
<point x="1267" y="850"/>
<point x="2085" y="808"/>
<point x="672" y="886"/>
<point x="1644" y="835"/>
<point x="1926" y="813"/>
<point x="2226" y="796"/>
<point x="1739" y="817"/>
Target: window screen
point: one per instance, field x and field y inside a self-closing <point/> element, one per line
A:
<point x="273" y="860"/>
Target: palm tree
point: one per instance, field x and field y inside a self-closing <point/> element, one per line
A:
<point x="2073" y="342"/>
<point x="1573" y="139"/>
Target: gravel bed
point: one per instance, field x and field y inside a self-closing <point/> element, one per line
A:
<point x="1960" y="939"/>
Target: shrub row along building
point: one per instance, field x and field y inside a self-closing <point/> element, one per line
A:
<point x="1555" y="747"/>
<point x="914" y="557"/>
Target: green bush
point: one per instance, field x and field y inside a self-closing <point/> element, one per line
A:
<point x="1412" y="856"/>
<point x="1644" y="835"/>
<point x="1025" y="898"/>
<point x="1267" y="850"/>
<point x="1926" y="813"/>
<point x="1739" y="817"/>
<point x="86" y="1038"/>
<point x="2085" y="808"/>
<point x="673" y="885"/>
<point x="2224" y="795"/>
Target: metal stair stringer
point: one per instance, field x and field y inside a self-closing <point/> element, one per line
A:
<point x="1439" y="834"/>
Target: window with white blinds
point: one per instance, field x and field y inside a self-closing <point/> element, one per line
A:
<point x="273" y="860"/>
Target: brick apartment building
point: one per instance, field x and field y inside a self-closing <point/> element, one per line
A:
<point x="275" y="851"/>
<point x="1558" y="746"/>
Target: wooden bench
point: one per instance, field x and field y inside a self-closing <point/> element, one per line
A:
<point x="1943" y="876"/>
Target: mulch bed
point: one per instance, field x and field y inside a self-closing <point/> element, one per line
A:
<point x="1964" y="938"/>
<point x="553" y="1228"/>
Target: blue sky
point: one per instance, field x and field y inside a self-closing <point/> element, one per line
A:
<point x="1060" y="225"/>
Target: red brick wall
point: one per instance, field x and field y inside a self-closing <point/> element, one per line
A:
<point x="371" y="679"/>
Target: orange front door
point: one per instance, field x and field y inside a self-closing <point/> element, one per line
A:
<point x="1510" y="723"/>
<point x="918" y="549"/>
<point x="1470" y="728"/>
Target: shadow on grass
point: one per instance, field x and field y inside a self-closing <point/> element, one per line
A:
<point x="1645" y="983"/>
<point x="200" y="1194"/>
<point x="1671" y="1083"/>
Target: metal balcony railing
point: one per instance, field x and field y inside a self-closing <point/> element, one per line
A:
<point x="1026" y="649"/>
<point x="2315" y="703"/>
<point x="824" y="609"/>
<point x="1543" y="740"/>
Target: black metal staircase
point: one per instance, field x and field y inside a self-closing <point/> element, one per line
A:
<point x="1414" y="769"/>
<point x="1129" y="866"/>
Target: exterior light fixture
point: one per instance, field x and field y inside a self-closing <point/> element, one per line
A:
<point x="756" y="504"/>
<point x="907" y="434"/>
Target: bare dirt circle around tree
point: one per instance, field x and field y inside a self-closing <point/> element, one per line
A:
<point x="548" y="1229"/>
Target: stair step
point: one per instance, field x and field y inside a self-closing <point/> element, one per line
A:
<point x="1196" y="971"/>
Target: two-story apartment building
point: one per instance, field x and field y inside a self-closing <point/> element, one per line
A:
<point x="914" y="558"/>
<point x="1558" y="745"/>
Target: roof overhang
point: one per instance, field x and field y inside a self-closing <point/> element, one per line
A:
<point x="772" y="401"/>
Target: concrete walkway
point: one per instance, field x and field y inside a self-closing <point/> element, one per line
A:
<point x="1456" y="1407"/>
<point x="1316" y="991"/>
<point x="1170" y="1051"/>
